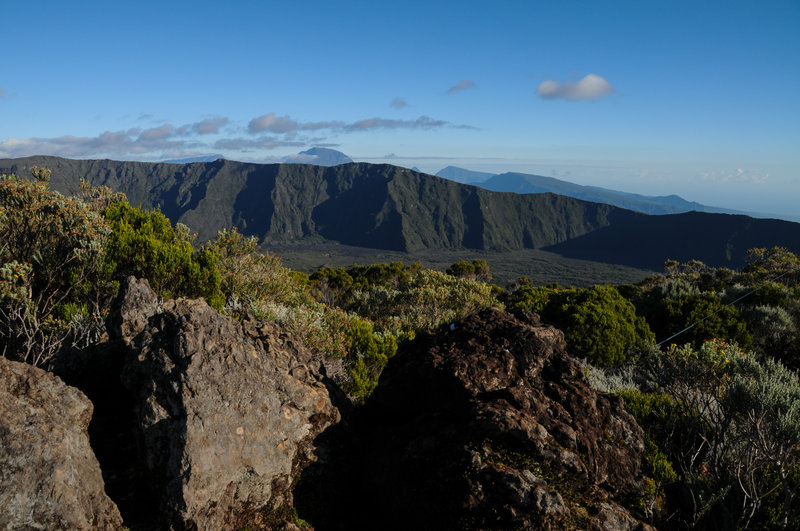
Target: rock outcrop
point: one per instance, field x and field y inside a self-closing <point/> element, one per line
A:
<point x="488" y="424"/>
<point x="49" y="477"/>
<point x="225" y="412"/>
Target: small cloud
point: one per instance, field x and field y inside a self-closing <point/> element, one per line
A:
<point x="273" y="124"/>
<point x="397" y="103"/>
<point x="464" y="84"/>
<point x="2" y="92"/>
<point x="157" y="133"/>
<point x="390" y="156"/>
<point x="209" y="126"/>
<point x="590" y="87"/>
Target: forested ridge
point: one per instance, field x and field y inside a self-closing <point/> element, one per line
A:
<point x="393" y="208"/>
<point x="719" y="402"/>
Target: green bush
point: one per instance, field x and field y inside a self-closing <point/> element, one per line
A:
<point x="370" y="352"/>
<point x="598" y="323"/>
<point x="146" y="245"/>
<point x="423" y="301"/>
<point x="706" y="314"/>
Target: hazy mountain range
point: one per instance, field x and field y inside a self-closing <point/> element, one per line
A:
<point x="388" y="207"/>
<point x="523" y="183"/>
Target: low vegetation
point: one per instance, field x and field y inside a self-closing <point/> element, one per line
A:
<point x="706" y="359"/>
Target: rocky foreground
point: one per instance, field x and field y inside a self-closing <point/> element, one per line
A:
<point x="199" y="421"/>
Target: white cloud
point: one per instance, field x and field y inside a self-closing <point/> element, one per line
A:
<point x="464" y="84"/>
<point x="590" y="87"/>
<point x="155" y="142"/>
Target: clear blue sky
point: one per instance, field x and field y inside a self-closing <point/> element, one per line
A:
<point x="695" y="98"/>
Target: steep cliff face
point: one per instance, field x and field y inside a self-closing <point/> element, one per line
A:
<point x="488" y="424"/>
<point x="366" y="205"/>
<point x="387" y="207"/>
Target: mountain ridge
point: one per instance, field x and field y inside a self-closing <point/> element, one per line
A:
<point x="394" y="208"/>
<point x="526" y="183"/>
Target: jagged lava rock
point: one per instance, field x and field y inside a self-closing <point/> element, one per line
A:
<point x="227" y="411"/>
<point x="487" y="424"/>
<point x="49" y="477"/>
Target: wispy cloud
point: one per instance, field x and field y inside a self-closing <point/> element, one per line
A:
<point x="266" y="132"/>
<point x="589" y="87"/>
<point x="739" y="175"/>
<point x="461" y="86"/>
<point x="423" y="122"/>
<point x="252" y="144"/>
<point x="2" y="92"/>
<point x="398" y="103"/>
<point x="271" y="123"/>
<point x="286" y="125"/>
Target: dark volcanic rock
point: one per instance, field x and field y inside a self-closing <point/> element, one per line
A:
<point x="489" y="424"/>
<point x="226" y="412"/>
<point x="49" y="477"/>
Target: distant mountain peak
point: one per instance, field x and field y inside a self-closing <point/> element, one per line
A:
<point x="319" y="156"/>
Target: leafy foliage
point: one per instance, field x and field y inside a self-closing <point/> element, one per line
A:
<point x="145" y="244"/>
<point x="51" y="248"/>
<point x="748" y="429"/>
<point x="478" y="269"/>
<point x="598" y="323"/>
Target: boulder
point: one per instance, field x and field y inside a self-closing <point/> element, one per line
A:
<point x="226" y="411"/>
<point x="49" y="476"/>
<point x="487" y="424"/>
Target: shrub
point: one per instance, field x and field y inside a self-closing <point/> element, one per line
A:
<point x="750" y="434"/>
<point x="146" y="245"/>
<point x="51" y="250"/>
<point x="478" y="269"/>
<point x="700" y="318"/>
<point x="423" y="301"/>
<point x="598" y="323"/>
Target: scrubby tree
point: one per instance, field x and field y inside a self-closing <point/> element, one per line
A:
<point x="746" y="446"/>
<point x="51" y="248"/>
<point x="598" y="323"/>
<point x="145" y="244"/>
<point x="478" y="269"/>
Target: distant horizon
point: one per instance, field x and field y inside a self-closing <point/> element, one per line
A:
<point x="792" y="217"/>
<point x="694" y="99"/>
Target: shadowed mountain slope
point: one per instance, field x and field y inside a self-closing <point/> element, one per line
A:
<point x="387" y="207"/>
<point x="360" y="204"/>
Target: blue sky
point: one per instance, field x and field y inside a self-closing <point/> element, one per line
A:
<point x="695" y="98"/>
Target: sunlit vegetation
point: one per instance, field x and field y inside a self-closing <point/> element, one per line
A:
<point x="705" y="358"/>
